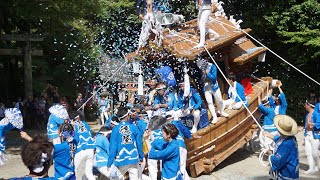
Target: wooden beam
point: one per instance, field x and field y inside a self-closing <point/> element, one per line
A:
<point x="21" y="37"/>
<point x="19" y="52"/>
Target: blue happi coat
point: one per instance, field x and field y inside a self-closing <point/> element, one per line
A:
<point x="83" y="137"/>
<point x="102" y="150"/>
<point x="240" y="91"/>
<point x="103" y="105"/>
<point x="282" y="107"/>
<point x="183" y="133"/>
<point x="315" y="118"/>
<point x="141" y="124"/>
<point x="268" y="123"/>
<point x="285" y="160"/>
<point x="53" y="125"/>
<point x="158" y="142"/>
<point x="125" y="145"/>
<point x="168" y="99"/>
<point x="192" y="102"/>
<point x="63" y="161"/>
<point x="170" y="159"/>
<point x="4" y="128"/>
<point x="212" y="76"/>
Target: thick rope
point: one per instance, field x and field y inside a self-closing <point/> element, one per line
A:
<point x="268" y="50"/>
<point x="104" y="84"/>
<point x="176" y="34"/>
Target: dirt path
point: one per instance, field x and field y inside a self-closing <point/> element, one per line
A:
<point x="242" y="165"/>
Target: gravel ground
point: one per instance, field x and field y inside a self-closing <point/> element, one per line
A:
<point x="242" y="165"/>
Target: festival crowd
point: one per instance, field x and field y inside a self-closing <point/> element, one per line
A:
<point x="144" y="139"/>
<point x="151" y="129"/>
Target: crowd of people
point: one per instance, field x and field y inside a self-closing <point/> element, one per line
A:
<point x="148" y="130"/>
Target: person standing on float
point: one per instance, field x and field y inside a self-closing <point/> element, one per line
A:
<point x="211" y="87"/>
<point x="204" y="7"/>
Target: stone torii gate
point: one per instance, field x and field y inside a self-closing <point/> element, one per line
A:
<point x="27" y="53"/>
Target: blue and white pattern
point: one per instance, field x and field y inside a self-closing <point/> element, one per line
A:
<point x="125" y="145"/>
<point x="166" y="75"/>
<point x="53" y="125"/>
<point x="5" y="126"/>
<point x="63" y="161"/>
<point x="102" y="150"/>
<point x="170" y="157"/>
<point x="83" y="137"/>
<point x="59" y="111"/>
<point x="14" y="116"/>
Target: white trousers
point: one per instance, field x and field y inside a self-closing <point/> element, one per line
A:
<point x="132" y="169"/>
<point x="103" y="114"/>
<point x="217" y="99"/>
<point x="228" y="103"/>
<point x="183" y="162"/>
<point x="153" y="168"/>
<point x="88" y="156"/>
<point x="2" y="158"/>
<point x="203" y="17"/>
<point x="114" y="172"/>
<point x="312" y="151"/>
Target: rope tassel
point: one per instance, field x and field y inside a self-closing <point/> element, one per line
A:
<point x="186" y="90"/>
<point x="140" y="85"/>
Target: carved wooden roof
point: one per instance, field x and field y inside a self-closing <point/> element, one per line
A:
<point x="180" y="41"/>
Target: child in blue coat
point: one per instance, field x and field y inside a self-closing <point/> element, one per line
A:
<point x="169" y="153"/>
<point x="63" y="154"/>
<point x="37" y="156"/>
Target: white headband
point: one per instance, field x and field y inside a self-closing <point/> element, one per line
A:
<point x="125" y="115"/>
<point x="114" y="122"/>
<point x="39" y="168"/>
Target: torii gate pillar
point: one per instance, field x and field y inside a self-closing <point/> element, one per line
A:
<point x="28" y="70"/>
<point x="27" y="52"/>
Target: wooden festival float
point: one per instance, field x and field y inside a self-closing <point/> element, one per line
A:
<point x="234" y="53"/>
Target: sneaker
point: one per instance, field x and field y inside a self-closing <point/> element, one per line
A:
<point x="200" y="45"/>
<point x="316" y="169"/>
<point x="223" y="114"/>
<point x="310" y="172"/>
<point x="215" y="38"/>
<point x="214" y="120"/>
<point x="193" y="130"/>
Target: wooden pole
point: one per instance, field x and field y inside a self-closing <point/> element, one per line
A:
<point x="28" y="70"/>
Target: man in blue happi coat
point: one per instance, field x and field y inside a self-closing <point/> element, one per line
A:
<point x="285" y="159"/>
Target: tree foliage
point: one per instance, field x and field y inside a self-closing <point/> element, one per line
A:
<point x="299" y="26"/>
